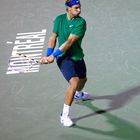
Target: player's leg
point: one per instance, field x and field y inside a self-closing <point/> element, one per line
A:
<point x="72" y="87"/>
<point x="81" y="84"/>
<point x="69" y="95"/>
<point x="81" y="71"/>
<point x="68" y="70"/>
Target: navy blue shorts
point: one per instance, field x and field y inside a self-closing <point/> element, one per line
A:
<point x="71" y="68"/>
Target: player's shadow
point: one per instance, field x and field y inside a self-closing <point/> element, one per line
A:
<point x="116" y="101"/>
<point x="122" y="128"/>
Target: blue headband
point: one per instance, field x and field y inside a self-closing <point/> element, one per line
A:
<point x="73" y="2"/>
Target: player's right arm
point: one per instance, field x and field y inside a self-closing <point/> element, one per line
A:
<point x="51" y="46"/>
<point x="52" y="41"/>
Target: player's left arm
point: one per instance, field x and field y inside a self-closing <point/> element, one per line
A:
<point x="64" y="47"/>
<point x="67" y="44"/>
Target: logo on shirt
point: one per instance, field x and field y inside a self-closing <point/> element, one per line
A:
<point x="70" y="26"/>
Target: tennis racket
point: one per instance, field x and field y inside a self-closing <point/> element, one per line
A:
<point x="16" y="54"/>
<point x="24" y="63"/>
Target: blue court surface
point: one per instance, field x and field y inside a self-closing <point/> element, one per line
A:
<point x="31" y="95"/>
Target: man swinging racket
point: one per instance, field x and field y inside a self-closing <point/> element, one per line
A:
<point x="70" y="29"/>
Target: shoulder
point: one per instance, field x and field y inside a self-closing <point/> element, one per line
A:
<point x="81" y="20"/>
<point x="59" y="17"/>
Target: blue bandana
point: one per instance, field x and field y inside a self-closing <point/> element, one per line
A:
<point x="73" y="2"/>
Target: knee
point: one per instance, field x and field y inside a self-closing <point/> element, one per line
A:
<point x="74" y="82"/>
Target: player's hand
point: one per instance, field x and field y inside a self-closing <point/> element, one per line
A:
<point x="44" y="60"/>
<point x="50" y="59"/>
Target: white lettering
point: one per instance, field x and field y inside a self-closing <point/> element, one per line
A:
<point x="28" y="44"/>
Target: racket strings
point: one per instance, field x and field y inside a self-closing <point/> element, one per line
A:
<point x="22" y="63"/>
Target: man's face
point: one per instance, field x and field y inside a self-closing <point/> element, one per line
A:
<point x="75" y="10"/>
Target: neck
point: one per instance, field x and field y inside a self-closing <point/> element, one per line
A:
<point x="69" y="16"/>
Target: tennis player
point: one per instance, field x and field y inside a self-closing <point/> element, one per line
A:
<point x="70" y="29"/>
